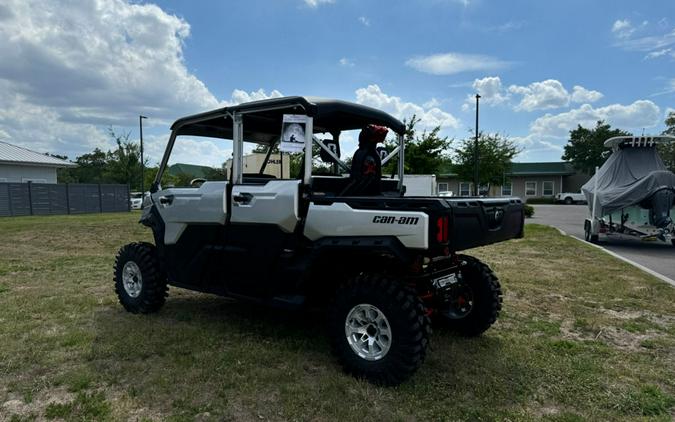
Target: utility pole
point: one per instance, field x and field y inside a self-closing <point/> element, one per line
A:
<point x="140" y="125"/>
<point x="475" y="174"/>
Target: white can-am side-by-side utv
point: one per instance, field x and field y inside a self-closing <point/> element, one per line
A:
<point x="633" y="193"/>
<point x="381" y="264"/>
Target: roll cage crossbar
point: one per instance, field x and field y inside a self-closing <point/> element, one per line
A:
<point x="260" y="122"/>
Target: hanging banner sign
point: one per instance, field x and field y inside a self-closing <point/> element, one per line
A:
<point x="293" y="132"/>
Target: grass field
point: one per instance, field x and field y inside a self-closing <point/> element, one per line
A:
<point x="582" y="337"/>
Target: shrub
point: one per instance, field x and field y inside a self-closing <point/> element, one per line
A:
<point x="529" y="210"/>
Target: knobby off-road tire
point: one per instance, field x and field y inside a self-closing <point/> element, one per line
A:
<point x="139" y="282"/>
<point x="485" y="302"/>
<point x="381" y="308"/>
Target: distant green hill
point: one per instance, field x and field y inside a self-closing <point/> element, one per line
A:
<point x="191" y="169"/>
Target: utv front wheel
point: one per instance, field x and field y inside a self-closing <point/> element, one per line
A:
<point x="139" y="282"/>
<point x="474" y="302"/>
<point x="378" y="329"/>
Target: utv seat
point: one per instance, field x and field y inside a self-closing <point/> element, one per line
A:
<point x="329" y="185"/>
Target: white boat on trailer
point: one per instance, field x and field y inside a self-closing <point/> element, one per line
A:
<point x="633" y="193"/>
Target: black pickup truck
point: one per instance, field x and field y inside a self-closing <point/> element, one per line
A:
<point x="383" y="266"/>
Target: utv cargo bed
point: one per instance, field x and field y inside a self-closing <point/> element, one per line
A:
<point x="483" y="221"/>
<point x="471" y="222"/>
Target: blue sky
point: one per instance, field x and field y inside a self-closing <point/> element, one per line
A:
<point x="542" y="67"/>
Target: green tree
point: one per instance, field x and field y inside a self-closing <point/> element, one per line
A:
<point x="262" y="149"/>
<point x="495" y="153"/>
<point x="670" y="124"/>
<point x="120" y="165"/>
<point x="64" y="174"/>
<point x="90" y="169"/>
<point x="425" y="153"/>
<point x="123" y="164"/>
<point x="585" y="149"/>
<point x="149" y="176"/>
<point x="213" y="174"/>
<point x="667" y="150"/>
<point x="151" y="173"/>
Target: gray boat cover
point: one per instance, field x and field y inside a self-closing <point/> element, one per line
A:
<point x="629" y="176"/>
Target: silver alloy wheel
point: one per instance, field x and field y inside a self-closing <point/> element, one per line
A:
<point x="132" y="279"/>
<point x="368" y="332"/>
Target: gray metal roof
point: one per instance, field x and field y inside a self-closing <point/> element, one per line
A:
<point x="12" y="154"/>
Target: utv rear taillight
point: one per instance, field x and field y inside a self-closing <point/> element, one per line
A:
<point x="442" y="229"/>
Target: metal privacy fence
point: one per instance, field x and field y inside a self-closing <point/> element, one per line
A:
<point x="52" y="199"/>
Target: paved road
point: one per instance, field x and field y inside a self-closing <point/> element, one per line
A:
<point x="656" y="256"/>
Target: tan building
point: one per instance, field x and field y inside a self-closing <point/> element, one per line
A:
<point x="253" y="162"/>
<point x="525" y="180"/>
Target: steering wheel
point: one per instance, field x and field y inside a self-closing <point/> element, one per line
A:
<point x="195" y="183"/>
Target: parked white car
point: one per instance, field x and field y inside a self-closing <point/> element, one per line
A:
<point x="136" y="200"/>
<point x="570" y="198"/>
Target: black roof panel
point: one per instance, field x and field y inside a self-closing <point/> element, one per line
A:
<point x="262" y="119"/>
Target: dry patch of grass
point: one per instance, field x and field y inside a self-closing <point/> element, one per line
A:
<point x="582" y="337"/>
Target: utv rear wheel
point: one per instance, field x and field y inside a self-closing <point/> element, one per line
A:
<point x="139" y="282"/>
<point x="378" y="329"/>
<point x="474" y="303"/>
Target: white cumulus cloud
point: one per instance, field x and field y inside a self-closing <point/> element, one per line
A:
<point x="452" y="63"/>
<point x="430" y="117"/>
<point x="490" y="89"/>
<point x="550" y="94"/>
<point x="583" y="95"/>
<point x="640" y="114"/>
<point x="541" y="95"/>
<point x="239" y="96"/>
<point x="82" y="65"/>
